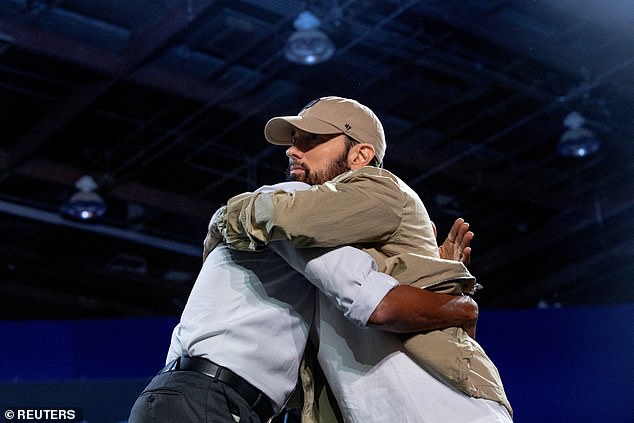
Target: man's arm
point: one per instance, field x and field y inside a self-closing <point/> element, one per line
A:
<point x="399" y="309"/>
<point x="409" y="309"/>
<point x="348" y="277"/>
<point x="316" y="217"/>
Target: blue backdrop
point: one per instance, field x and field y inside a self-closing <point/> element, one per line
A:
<point x="558" y="365"/>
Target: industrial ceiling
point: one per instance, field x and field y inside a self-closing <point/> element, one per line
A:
<point x="164" y="102"/>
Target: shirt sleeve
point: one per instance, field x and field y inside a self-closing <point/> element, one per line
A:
<point x="346" y="275"/>
<point x="363" y="208"/>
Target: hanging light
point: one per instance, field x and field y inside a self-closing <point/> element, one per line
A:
<point x="577" y="141"/>
<point x="308" y="45"/>
<point x="86" y="204"/>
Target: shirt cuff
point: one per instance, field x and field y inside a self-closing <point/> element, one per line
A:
<point x="371" y="293"/>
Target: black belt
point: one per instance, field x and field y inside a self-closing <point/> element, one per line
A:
<point x="257" y="400"/>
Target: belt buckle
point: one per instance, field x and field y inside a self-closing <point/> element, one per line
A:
<point x="216" y="372"/>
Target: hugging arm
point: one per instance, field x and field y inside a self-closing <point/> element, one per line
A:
<point x="314" y="217"/>
<point x="408" y="309"/>
<point x="348" y="277"/>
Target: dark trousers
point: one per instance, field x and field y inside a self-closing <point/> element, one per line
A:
<point x="184" y="396"/>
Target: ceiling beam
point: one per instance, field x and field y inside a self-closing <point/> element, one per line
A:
<point x="97" y="228"/>
<point x="553" y="232"/>
<point x="552" y="49"/>
<point x="145" y="45"/>
<point x="133" y="192"/>
<point x="41" y="41"/>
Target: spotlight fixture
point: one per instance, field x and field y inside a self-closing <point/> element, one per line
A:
<point x="308" y="45"/>
<point x="86" y="204"/>
<point x="577" y="141"/>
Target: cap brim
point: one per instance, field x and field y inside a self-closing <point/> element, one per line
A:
<point x="280" y="129"/>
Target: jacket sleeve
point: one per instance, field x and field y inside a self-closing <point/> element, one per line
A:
<point x="360" y="208"/>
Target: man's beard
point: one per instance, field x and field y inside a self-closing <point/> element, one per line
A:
<point x="311" y="177"/>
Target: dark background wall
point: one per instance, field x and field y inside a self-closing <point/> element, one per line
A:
<point x="558" y="364"/>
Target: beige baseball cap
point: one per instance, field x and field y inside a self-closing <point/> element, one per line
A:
<point x="331" y="115"/>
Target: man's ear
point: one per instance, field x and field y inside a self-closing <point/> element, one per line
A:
<point x="360" y="155"/>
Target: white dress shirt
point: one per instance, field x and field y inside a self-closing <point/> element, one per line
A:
<point x="251" y="312"/>
<point x="375" y="381"/>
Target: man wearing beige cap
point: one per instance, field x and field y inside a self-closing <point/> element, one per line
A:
<point x="235" y="354"/>
<point x="332" y="140"/>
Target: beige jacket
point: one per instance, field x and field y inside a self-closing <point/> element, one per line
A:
<point x="375" y="209"/>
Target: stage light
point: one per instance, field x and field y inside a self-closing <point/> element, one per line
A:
<point x="86" y="204"/>
<point x="308" y="45"/>
<point x="577" y="141"/>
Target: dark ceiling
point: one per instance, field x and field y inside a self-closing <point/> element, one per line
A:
<point x="164" y="102"/>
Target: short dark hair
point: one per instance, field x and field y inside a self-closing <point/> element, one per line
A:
<point x="350" y="142"/>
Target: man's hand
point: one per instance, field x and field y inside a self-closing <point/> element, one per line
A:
<point x="457" y="245"/>
<point x="213" y="237"/>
